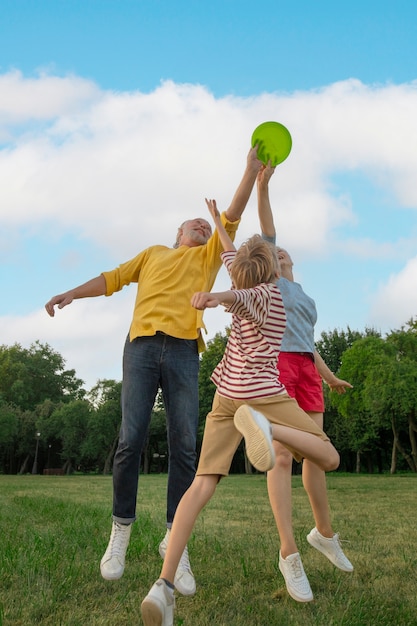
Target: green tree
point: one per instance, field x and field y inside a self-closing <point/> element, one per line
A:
<point x="29" y="376"/>
<point x="155" y="453"/>
<point x="8" y="432"/>
<point x="391" y="393"/>
<point x="363" y="426"/>
<point x="25" y="441"/>
<point x="71" y="427"/>
<point x="208" y="361"/>
<point x="331" y="347"/>
<point x="103" y="426"/>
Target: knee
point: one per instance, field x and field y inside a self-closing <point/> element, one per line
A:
<point x="332" y="461"/>
<point x="283" y="459"/>
<point x="203" y="487"/>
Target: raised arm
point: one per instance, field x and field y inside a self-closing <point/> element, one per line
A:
<point x="94" y="287"/>
<point x="206" y="300"/>
<point x="243" y="192"/>
<point x="266" y="219"/>
<point x="226" y="242"/>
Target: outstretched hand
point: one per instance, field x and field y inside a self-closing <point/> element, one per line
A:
<point x="265" y="174"/>
<point x="62" y="300"/>
<point x="214" y="212"/>
<point x="252" y="159"/>
<point x="340" y="385"/>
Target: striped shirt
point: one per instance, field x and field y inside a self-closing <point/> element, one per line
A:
<point x="248" y="368"/>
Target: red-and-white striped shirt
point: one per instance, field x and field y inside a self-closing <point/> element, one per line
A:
<point x="249" y="365"/>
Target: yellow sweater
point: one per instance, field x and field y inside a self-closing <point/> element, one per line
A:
<point x="167" y="278"/>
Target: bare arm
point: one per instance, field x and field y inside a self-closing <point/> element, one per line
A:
<point x="243" y="192"/>
<point x="226" y="242"/>
<point x="266" y="219"/>
<point x="335" y="384"/>
<point x="94" y="287"/>
<point x="206" y="300"/>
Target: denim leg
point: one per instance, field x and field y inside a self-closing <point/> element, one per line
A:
<point x="179" y="384"/>
<point x="141" y="376"/>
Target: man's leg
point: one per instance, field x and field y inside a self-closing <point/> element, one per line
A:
<point x="141" y="360"/>
<point x="179" y="382"/>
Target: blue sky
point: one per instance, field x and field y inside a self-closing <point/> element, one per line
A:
<point x="118" y="118"/>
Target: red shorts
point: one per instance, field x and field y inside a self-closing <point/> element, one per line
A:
<point x="302" y="381"/>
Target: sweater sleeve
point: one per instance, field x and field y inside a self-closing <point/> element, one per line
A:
<point x="252" y="304"/>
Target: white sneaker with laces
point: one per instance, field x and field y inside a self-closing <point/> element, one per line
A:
<point x="184" y="578"/>
<point x="256" y="430"/>
<point x="295" y="578"/>
<point x="112" y="564"/>
<point x="158" y="607"/>
<point x="330" y="547"/>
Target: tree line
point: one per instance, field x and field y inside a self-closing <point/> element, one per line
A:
<point x="49" y="422"/>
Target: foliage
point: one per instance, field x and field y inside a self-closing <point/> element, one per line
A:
<point x="29" y="376"/>
<point x="103" y="425"/>
<point x="372" y="425"/>
<point x="208" y="362"/>
<point x="382" y="405"/>
<point x="363" y="429"/>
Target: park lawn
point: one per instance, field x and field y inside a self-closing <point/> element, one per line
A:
<point x="54" y="530"/>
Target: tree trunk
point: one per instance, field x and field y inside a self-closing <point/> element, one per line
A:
<point x="109" y="458"/>
<point x="248" y="466"/>
<point x="67" y="467"/>
<point x="393" y="467"/>
<point x="412" y="428"/>
<point x="408" y="458"/>
<point x="358" y="462"/>
<point x="24" y="466"/>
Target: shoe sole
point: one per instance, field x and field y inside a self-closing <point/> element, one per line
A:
<point x="293" y="595"/>
<point x="151" y="613"/>
<point x="106" y="577"/>
<point x="319" y="548"/>
<point x="111" y="576"/>
<point x="184" y="591"/>
<point x="259" y="448"/>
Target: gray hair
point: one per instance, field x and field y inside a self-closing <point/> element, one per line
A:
<point x="179" y="233"/>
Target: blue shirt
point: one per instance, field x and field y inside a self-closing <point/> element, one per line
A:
<point x="301" y="315"/>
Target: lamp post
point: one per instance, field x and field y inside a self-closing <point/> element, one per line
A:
<point x="35" y="462"/>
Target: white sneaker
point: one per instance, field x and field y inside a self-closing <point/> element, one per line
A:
<point x="158" y="607"/>
<point x="112" y="564"/>
<point x="331" y="548"/>
<point x="256" y="430"/>
<point x="295" y="578"/>
<point x="184" y="578"/>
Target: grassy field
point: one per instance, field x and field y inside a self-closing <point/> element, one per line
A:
<point x="53" y="531"/>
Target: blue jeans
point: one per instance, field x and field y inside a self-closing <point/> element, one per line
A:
<point x="150" y="363"/>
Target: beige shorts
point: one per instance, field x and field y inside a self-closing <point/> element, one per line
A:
<point x="221" y="439"/>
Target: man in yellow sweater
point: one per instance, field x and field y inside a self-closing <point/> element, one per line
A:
<point x="162" y="350"/>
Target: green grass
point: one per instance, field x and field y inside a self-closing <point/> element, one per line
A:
<point x="54" y="530"/>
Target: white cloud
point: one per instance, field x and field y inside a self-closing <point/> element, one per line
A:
<point x="89" y="334"/>
<point x="123" y="170"/>
<point x="155" y="156"/>
<point x="396" y="300"/>
<point x="44" y="98"/>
